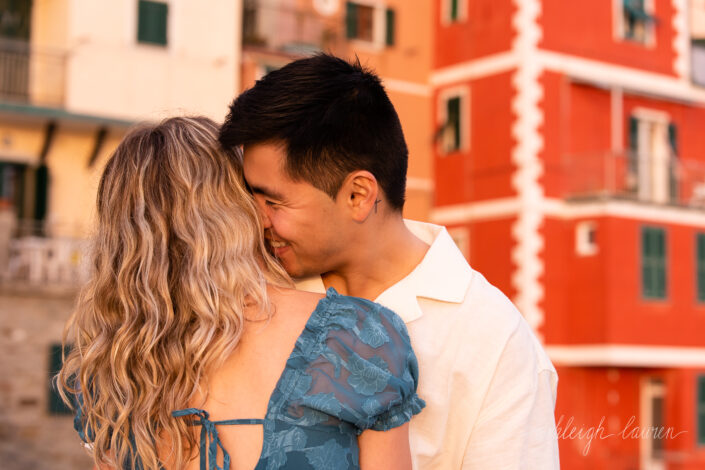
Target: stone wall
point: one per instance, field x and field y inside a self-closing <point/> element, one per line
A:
<point x="30" y="437"/>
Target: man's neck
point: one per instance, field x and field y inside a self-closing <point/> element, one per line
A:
<point x="382" y="257"/>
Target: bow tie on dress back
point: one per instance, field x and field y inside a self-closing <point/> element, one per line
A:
<point x="210" y="438"/>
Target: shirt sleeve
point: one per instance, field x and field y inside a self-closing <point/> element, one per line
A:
<point x="516" y="425"/>
<point x="366" y="373"/>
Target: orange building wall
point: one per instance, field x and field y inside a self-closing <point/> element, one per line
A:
<point x="490" y="251"/>
<point x="484" y="171"/>
<point x="586" y="29"/>
<point x="487" y="30"/>
<point x="577" y="132"/>
<point x="679" y="320"/>
<point x="574" y="296"/>
<point x="611" y="409"/>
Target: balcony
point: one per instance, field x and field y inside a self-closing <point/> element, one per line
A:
<point x="667" y="180"/>
<point x="271" y="25"/>
<point x="31" y="76"/>
<point x="31" y="263"/>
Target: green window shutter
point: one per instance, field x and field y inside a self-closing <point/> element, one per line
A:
<point x="454" y="8"/>
<point x="453" y="113"/>
<point x="350" y="20"/>
<point x="633" y="155"/>
<point x="41" y="190"/>
<point x="55" y="403"/>
<point x="673" y="162"/>
<point x="653" y="263"/>
<point x="700" y="265"/>
<point x="700" y="409"/>
<point x="390" y="27"/>
<point x="673" y="137"/>
<point x="151" y="22"/>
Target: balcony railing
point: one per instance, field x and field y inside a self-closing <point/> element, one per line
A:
<point x="39" y="262"/>
<point x="667" y="180"/>
<point x="272" y="25"/>
<point x="30" y="75"/>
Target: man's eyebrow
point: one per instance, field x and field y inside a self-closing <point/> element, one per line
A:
<point x="266" y="192"/>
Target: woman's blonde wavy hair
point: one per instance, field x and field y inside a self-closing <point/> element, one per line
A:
<point x="177" y="256"/>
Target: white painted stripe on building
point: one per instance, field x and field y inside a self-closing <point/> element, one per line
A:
<point x="631" y="79"/>
<point x="485" y="210"/>
<point x="604" y="74"/>
<point x="621" y="355"/>
<point x="681" y="40"/>
<point x="406" y="87"/>
<point x="528" y="241"/>
<point x="631" y="210"/>
<point x="419" y="184"/>
<point x="558" y="208"/>
<point x="485" y="66"/>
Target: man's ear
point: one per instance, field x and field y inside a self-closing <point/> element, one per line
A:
<point x="360" y="192"/>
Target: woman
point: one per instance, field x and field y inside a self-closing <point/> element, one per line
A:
<point x="190" y="348"/>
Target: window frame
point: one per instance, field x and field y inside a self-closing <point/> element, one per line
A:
<point x="585" y="247"/>
<point x="620" y="33"/>
<point x="446" y="12"/>
<point x="382" y="14"/>
<point x="140" y="34"/>
<point x="651" y="387"/>
<point x="642" y="163"/>
<point x="646" y="294"/>
<point x="444" y="96"/>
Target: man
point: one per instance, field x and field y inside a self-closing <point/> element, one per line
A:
<point x="326" y="160"/>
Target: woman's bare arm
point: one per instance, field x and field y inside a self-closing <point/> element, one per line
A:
<point x="385" y="450"/>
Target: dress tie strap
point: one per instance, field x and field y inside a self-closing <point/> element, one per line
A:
<point x="210" y="438"/>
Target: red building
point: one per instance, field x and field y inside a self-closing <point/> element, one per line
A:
<point x="563" y="144"/>
<point x="570" y="166"/>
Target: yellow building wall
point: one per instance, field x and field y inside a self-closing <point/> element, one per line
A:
<point x="110" y="74"/>
<point x="72" y="184"/>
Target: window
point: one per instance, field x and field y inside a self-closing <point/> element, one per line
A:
<point x="696" y="9"/>
<point x="637" y="21"/>
<point x="25" y="189"/>
<point x="653" y="263"/>
<point x="586" y="238"/>
<point x="55" y="403"/>
<point x="652" y="173"/>
<point x="700" y="409"/>
<point x="453" y="11"/>
<point x="453" y="125"/>
<point x="652" y="410"/>
<point x="151" y="22"/>
<point x="370" y="23"/>
<point x="700" y="266"/>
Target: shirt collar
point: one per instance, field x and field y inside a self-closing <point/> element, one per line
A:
<point x="443" y="275"/>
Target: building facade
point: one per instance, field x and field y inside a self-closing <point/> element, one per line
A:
<point x="560" y="142"/>
<point x="393" y="37"/>
<point x="572" y="169"/>
<point x="74" y="76"/>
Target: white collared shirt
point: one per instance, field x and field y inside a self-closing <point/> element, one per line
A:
<point x="489" y="387"/>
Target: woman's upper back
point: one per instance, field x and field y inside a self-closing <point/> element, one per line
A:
<point x="311" y="379"/>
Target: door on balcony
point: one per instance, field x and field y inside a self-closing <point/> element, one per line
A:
<point x="652" y="158"/>
<point x="15" y="22"/>
<point x="652" y="424"/>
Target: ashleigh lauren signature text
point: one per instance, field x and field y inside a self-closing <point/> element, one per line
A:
<point x="629" y="431"/>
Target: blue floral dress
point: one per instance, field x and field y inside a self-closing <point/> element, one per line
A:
<point x="352" y="369"/>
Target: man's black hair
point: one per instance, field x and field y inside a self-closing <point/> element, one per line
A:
<point x="332" y="116"/>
